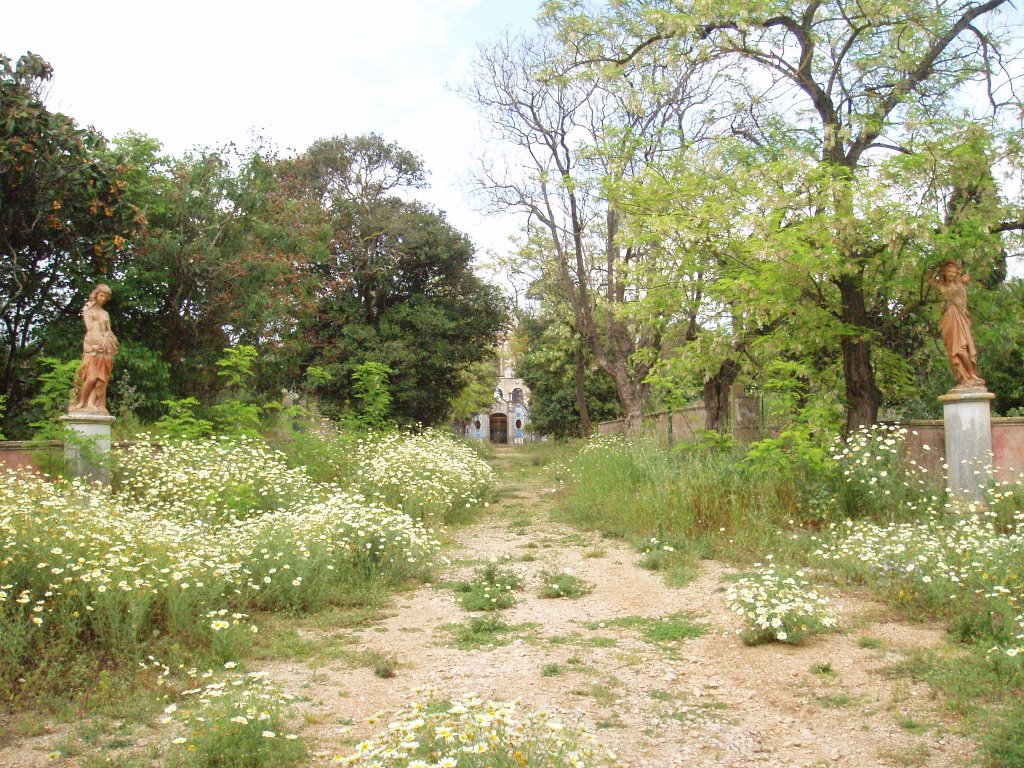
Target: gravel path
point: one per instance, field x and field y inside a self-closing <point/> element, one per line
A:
<point x="705" y="701"/>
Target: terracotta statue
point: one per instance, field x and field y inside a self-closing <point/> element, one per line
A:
<point x="98" y="350"/>
<point x="951" y="282"/>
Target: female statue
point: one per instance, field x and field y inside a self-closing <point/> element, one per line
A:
<point x="951" y="282"/>
<point x="98" y="350"/>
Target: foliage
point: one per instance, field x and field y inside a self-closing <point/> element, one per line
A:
<point x="221" y="262"/>
<point x="549" y="367"/>
<point x="778" y="605"/>
<point x="56" y="382"/>
<point x="563" y="584"/>
<point x="879" y="480"/>
<point x="693" y="501"/>
<point x="370" y="389"/>
<point x="965" y="564"/>
<point x="426" y="474"/>
<point x="476" y="393"/>
<point x="799" y="200"/>
<point x="233" y="722"/>
<point x="235" y="366"/>
<point x="63" y="220"/>
<point x="181" y="420"/>
<point x="397" y="286"/>
<point x="472" y="733"/>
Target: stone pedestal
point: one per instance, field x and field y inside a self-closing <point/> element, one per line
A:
<point x="968" y="424"/>
<point x="86" y="450"/>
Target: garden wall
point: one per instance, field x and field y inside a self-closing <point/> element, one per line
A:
<point x="686" y="425"/>
<point x="38" y="454"/>
<point x="29" y="454"/>
<point x="926" y="444"/>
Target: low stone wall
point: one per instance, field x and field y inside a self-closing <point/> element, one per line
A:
<point x="689" y="423"/>
<point x="36" y="454"/>
<point x="926" y="444"/>
<point x="29" y="454"/>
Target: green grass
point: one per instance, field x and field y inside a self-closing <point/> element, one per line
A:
<point x="667" y="629"/>
<point x="563" y="584"/>
<point x="834" y="701"/>
<point x="552" y="670"/>
<point x="643" y="491"/>
<point x="824" y="670"/>
<point x="485" y="632"/>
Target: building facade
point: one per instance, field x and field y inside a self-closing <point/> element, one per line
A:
<point x="508" y="420"/>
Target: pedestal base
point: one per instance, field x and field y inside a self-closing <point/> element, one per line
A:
<point x="87" y="449"/>
<point x="968" y="422"/>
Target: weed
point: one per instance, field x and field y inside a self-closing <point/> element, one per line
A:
<point x="483" y="632"/>
<point x="872" y="643"/>
<point x="825" y="670"/>
<point x="492" y="589"/>
<point x="563" y="584"/>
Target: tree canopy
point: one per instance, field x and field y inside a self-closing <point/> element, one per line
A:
<point x="311" y="261"/>
<point x="768" y="185"/>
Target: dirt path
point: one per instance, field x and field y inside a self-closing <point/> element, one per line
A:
<point x="704" y="701"/>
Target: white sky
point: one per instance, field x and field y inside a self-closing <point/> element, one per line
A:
<point x="193" y="73"/>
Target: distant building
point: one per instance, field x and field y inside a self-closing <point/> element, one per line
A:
<point x="508" y="420"/>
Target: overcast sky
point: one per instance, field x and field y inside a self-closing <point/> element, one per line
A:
<point x="193" y="73"/>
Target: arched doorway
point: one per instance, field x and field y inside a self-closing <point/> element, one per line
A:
<point x="499" y="428"/>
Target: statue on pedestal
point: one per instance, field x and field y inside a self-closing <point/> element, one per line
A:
<point x="98" y="350"/>
<point x="955" y="325"/>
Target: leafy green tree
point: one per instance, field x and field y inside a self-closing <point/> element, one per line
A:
<point x="574" y="134"/>
<point x="397" y="286"/>
<point x="476" y="394"/>
<point x="556" y="366"/>
<point x="63" y="220"/>
<point x="221" y="261"/>
<point x="862" y="102"/>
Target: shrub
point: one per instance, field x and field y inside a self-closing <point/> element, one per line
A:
<point x="776" y="605"/>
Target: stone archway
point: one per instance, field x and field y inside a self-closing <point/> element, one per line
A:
<point x="499" y="428"/>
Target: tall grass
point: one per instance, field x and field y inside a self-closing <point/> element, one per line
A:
<point x="700" y="500"/>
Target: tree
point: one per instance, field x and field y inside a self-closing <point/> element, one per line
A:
<point x="476" y="394"/>
<point x="397" y="286"/>
<point x="63" y="219"/>
<point x="842" y="86"/>
<point x="576" y="133"/>
<point x="221" y="260"/>
<point x="560" y="373"/>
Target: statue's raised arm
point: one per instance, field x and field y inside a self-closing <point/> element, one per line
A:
<point x="98" y="350"/>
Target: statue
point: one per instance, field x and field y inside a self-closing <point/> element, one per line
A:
<point x="98" y="350"/>
<point x="951" y="282"/>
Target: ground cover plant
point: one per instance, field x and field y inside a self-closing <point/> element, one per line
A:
<point x="777" y="605"/>
<point x="492" y="589"/>
<point x="563" y="584"/>
<point x="425" y="474"/>
<point x="472" y="733"/>
<point x="684" y="499"/>
<point x="193" y="539"/>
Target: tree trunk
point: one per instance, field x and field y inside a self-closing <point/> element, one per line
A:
<point x="716" y="396"/>
<point x="863" y="397"/>
<point x="586" y="429"/>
